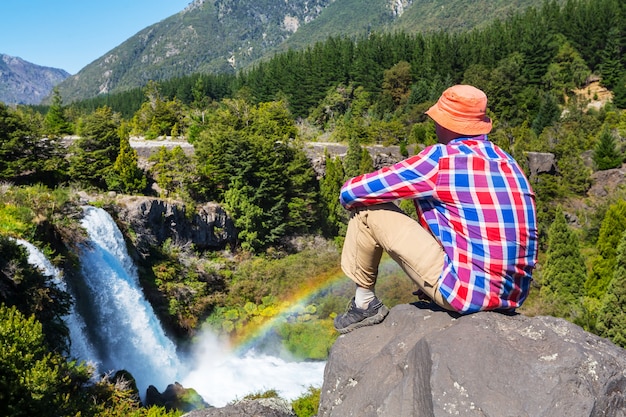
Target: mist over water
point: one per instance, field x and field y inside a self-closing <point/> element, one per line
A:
<point x="114" y="327"/>
<point x="220" y="376"/>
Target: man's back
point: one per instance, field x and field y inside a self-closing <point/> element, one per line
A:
<point x="483" y="212"/>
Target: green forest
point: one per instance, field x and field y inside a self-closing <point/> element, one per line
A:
<point x="544" y="71"/>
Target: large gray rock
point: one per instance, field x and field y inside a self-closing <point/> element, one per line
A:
<point x="154" y="220"/>
<point x="175" y="397"/>
<point x="541" y="163"/>
<point x="264" y="407"/>
<point x="607" y="181"/>
<point x="421" y="362"/>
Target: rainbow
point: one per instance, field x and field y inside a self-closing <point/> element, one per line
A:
<point x="252" y="332"/>
<point x="255" y="331"/>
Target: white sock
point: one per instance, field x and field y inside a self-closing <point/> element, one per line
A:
<point x="363" y="296"/>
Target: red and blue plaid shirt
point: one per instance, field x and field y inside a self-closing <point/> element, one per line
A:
<point x="476" y="200"/>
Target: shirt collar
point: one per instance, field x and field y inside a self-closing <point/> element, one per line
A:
<point x="461" y="139"/>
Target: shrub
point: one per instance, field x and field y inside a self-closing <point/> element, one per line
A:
<point x="307" y="405"/>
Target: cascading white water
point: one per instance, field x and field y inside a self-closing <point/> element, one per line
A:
<point x="81" y="348"/>
<point x="122" y="331"/>
<point x="124" y="328"/>
<point x="220" y="376"/>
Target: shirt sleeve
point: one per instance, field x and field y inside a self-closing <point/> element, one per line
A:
<point x="414" y="177"/>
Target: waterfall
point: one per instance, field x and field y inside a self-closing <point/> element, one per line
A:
<point x="123" y="325"/>
<point x="80" y="348"/>
<point x="114" y="327"/>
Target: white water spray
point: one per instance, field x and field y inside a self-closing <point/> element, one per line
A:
<point x="220" y="376"/>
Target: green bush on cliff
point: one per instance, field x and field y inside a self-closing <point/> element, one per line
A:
<point x="307" y="405"/>
<point x="183" y="280"/>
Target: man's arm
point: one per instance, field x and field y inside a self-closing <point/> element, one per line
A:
<point x="414" y="177"/>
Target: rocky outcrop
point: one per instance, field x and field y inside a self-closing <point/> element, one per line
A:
<point x="155" y="220"/>
<point x="422" y="362"/>
<point x="264" y="407"/>
<point x="541" y="163"/>
<point x="606" y="182"/>
<point x="175" y="397"/>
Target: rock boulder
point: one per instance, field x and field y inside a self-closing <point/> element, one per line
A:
<point x="263" y="407"/>
<point x="153" y="220"/>
<point x="424" y="362"/>
<point x="175" y="397"/>
<point x="541" y="163"/>
<point x="607" y="181"/>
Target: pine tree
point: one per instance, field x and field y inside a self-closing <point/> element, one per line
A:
<point x="16" y="145"/>
<point x="157" y="115"/>
<point x="247" y="214"/>
<point x="576" y="176"/>
<point x="174" y="172"/>
<point x="611" y="321"/>
<point x="55" y="122"/>
<point x="549" y="112"/>
<point x="94" y="154"/>
<point x="335" y="216"/>
<point x="397" y="82"/>
<point x="366" y="165"/>
<point x="26" y="158"/>
<point x="605" y="154"/>
<point x="567" y="71"/>
<point x="302" y="195"/>
<point x="125" y="176"/>
<point x="354" y="156"/>
<point x="564" y="272"/>
<point x="366" y="71"/>
<point x="612" y="68"/>
<point x="250" y="162"/>
<point x="611" y="229"/>
<point x="619" y="93"/>
<point x="537" y="44"/>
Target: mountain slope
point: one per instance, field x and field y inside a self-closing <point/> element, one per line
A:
<point x="208" y="36"/>
<point x="458" y="15"/>
<point x="217" y="36"/>
<point x="344" y="18"/>
<point x="22" y="82"/>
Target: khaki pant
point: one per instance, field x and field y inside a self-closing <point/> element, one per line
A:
<point x="384" y="227"/>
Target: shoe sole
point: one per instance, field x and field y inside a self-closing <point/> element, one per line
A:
<point x="375" y="319"/>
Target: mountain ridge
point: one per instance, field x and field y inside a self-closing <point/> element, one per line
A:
<point x="22" y="82"/>
<point x="207" y="36"/>
<point x="226" y="36"/>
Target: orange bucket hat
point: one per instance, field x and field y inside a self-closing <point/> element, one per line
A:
<point x="462" y="109"/>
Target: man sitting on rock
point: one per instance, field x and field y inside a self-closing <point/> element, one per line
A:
<point x="475" y="245"/>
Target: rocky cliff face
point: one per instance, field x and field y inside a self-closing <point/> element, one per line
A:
<point x="24" y="83"/>
<point x="421" y="362"/>
<point x="154" y="220"/>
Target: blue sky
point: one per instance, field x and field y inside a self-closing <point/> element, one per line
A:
<point x="70" y="34"/>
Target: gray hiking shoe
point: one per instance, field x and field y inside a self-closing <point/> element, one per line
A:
<point x="356" y="317"/>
